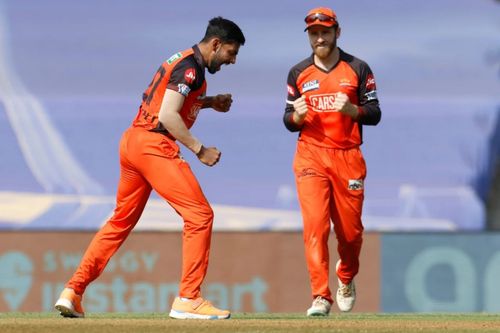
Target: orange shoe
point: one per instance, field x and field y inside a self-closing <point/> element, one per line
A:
<point x="69" y="304"/>
<point x="196" y="309"/>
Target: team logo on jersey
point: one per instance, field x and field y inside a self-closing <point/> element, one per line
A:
<point x="190" y="75"/>
<point x="183" y="89"/>
<point x="345" y="83"/>
<point x="290" y="89"/>
<point x="193" y="112"/>
<point x="323" y="102"/>
<point x="310" y="85"/>
<point x="355" y="184"/>
<point x="173" y="58"/>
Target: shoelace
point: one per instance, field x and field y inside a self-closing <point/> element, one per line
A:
<point x="322" y="301"/>
<point x="346" y="290"/>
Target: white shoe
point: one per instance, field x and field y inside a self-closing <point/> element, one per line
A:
<point x="198" y="308"/>
<point x="69" y="304"/>
<point x="320" y="307"/>
<point x="346" y="294"/>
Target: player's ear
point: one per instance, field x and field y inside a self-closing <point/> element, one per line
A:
<point x="337" y="33"/>
<point x="215" y="43"/>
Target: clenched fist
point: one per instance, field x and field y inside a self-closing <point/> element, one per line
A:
<point x="344" y="105"/>
<point x="209" y="156"/>
<point x="222" y="103"/>
<point x="300" y="107"/>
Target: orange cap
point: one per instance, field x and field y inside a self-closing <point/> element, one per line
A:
<point x="321" y="16"/>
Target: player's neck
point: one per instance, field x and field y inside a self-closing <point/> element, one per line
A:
<point x="204" y="50"/>
<point x="329" y="61"/>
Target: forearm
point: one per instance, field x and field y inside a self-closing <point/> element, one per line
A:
<point x="171" y="119"/>
<point x="293" y="122"/>
<point x="176" y="127"/>
<point x="370" y="113"/>
<point x="207" y="102"/>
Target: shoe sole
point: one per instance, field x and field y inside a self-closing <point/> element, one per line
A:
<point x="188" y="315"/>
<point x="65" y="308"/>
<point x="317" y="314"/>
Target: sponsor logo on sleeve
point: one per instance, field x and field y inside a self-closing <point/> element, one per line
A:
<point x="183" y="89"/>
<point x="370" y="82"/>
<point x="371" y="95"/>
<point x="173" y="58"/>
<point x="371" y="88"/>
<point x="190" y="75"/>
<point x="290" y="90"/>
<point x="310" y="85"/>
<point x="323" y="102"/>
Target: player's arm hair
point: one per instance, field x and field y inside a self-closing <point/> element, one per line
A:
<point x="206" y="101"/>
<point x="170" y="118"/>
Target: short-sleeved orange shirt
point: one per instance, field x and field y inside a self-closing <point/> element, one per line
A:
<point x="183" y="72"/>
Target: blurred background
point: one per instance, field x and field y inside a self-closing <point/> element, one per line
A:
<point x="71" y="79"/>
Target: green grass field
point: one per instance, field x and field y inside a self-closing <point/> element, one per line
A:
<point x="241" y="322"/>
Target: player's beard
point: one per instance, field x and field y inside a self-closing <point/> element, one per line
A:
<point x="326" y="50"/>
<point x="215" y="64"/>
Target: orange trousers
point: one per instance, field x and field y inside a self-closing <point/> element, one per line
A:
<point x="151" y="161"/>
<point x="330" y="189"/>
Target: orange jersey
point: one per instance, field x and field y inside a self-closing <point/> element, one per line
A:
<point x="183" y="72"/>
<point x="324" y="126"/>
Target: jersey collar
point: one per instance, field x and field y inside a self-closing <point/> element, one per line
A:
<point x="198" y="57"/>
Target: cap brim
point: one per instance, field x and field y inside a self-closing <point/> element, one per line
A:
<point x="324" y="24"/>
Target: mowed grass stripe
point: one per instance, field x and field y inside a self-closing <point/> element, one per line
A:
<point x="258" y="323"/>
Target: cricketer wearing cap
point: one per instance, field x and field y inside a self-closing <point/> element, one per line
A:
<point x="150" y="159"/>
<point x="331" y="94"/>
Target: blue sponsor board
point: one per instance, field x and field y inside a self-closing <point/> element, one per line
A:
<point x="440" y="273"/>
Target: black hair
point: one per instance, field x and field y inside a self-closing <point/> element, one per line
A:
<point x="226" y="30"/>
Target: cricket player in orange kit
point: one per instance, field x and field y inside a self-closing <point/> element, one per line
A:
<point x="331" y="94"/>
<point x="150" y="159"/>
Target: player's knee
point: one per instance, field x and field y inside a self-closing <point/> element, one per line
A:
<point x="206" y="213"/>
<point x="355" y="237"/>
<point x="201" y="217"/>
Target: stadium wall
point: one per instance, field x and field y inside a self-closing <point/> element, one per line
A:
<point x="255" y="272"/>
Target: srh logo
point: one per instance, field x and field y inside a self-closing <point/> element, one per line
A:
<point x="290" y="89"/>
<point x="190" y="75"/>
<point x="345" y="83"/>
<point x="323" y="103"/>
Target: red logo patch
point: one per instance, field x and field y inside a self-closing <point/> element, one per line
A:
<point x="370" y="82"/>
<point x="190" y="75"/>
<point x="290" y="89"/>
